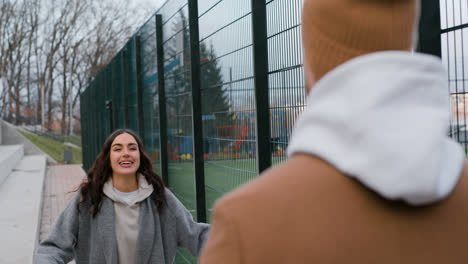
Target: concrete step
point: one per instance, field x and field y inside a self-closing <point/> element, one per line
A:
<point x="20" y="208"/>
<point x="11" y="136"/>
<point x="10" y="156"/>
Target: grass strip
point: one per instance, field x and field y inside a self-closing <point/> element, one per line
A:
<point x="53" y="148"/>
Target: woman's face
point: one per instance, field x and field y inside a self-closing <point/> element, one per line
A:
<point x="124" y="155"/>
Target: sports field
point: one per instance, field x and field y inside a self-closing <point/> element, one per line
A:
<point x="221" y="176"/>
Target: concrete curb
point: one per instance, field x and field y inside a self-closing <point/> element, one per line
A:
<point x="39" y="216"/>
<point x="10" y="156"/>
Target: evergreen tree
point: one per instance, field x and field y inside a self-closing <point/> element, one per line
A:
<point x="215" y="104"/>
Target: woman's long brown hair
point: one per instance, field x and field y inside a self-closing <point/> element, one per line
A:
<point x="91" y="189"/>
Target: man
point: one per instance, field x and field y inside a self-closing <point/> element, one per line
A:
<point x="372" y="177"/>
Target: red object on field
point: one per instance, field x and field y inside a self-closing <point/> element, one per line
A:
<point x="240" y="138"/>
<point x="173" y="151"/>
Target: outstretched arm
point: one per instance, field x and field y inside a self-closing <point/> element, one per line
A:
<point x="190" y="234"/>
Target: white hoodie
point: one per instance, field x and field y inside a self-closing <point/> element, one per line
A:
<point x="127" y="218"/>
<point x="383" y="118"/>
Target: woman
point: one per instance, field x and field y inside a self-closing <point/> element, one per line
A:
<point x="122" y="213"/>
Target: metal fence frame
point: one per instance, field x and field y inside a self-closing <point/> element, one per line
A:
<point x="107" y="96"/>
<point x="454" y="24"/>
<point x="111" y="89"/>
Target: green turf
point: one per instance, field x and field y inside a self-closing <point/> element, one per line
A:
<point x="221" y="176"/>
<point x="53" y="147"/>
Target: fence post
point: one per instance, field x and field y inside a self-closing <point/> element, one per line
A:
<point x="197" y="111"/>
<point x="139" y="83"/>
<point x="100" y="95"/>
<point x="109" y="90"/>
<point x="162" y="100"/>
<point x="94" y="121"/>
<point x="429" y="28"/>
<point x="84" y="148"/>
<point x="125" y="86"/>
<point x="260" y="59"/>
<point x="115" y="98"/>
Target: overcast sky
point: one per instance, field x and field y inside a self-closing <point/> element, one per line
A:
<point x="148" y="4"/>
<point x="155" y="4"/>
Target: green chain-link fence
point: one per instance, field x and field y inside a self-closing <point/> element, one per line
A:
<point x="211" y="74"/>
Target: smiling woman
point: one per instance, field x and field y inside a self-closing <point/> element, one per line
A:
<point x="122" y="213"/>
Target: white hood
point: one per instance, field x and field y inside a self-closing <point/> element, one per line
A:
<point x="383" y="119"/>
<point x="144" y="191"/>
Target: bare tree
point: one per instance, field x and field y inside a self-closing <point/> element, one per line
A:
<point x="50" y="51"/>
<point x="33" y="22"/>
<point x="64" y="20"/>
<point x="7" y="11"/>
<point x="14" y="29"/>
<point x="113" y="23"/>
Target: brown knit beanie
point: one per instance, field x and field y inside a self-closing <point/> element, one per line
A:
<point x="335" y="31"/>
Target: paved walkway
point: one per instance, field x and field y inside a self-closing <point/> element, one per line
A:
<point x="20" y="205"/>
<point x="60" y="183"/>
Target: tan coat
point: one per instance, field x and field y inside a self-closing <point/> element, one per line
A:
<point x="305" y="211"/>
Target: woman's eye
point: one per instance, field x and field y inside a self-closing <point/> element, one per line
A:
<point x="116" y="149"/>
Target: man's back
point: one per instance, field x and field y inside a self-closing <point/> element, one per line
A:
<point x="305" y="211"/>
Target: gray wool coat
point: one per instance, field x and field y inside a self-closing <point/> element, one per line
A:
<point x="92" y="240"/>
